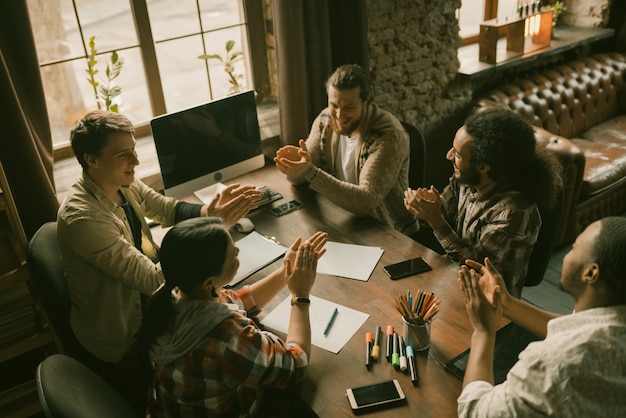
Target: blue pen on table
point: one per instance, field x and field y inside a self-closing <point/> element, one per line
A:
<point x="330" y="322"/>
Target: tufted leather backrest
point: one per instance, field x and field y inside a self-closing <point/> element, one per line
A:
<point x="567" y="99"/>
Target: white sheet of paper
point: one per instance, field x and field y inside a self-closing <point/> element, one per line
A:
<point x="349" y="260"/>
<point x="347" y="322"/>
<point x="255" y="252"/>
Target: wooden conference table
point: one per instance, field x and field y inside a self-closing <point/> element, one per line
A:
<point x="330" y="374"/>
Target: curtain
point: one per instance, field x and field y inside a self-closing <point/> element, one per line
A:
<point x="313" y="37"/>
<point x="26" y="141"/>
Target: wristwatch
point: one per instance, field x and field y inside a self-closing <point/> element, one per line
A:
<point x="300" y="301"/>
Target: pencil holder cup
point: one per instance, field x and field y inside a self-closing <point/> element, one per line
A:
<point x="417" y="336"/>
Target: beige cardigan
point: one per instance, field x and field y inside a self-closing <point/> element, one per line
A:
<point x="382" y="168"/>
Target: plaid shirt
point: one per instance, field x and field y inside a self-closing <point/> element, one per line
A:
<point x="224" y="374"/>
<point x="497" y="223"/>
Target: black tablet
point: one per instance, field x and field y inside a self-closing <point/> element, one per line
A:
<point x="511" y="339"/>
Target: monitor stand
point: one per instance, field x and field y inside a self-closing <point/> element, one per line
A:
<point x="207" y="194"/>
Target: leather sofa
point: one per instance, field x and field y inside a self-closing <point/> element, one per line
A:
<point x="579" y="112"/>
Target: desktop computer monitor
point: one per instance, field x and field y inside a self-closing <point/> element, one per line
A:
<point x="204" y="145"/>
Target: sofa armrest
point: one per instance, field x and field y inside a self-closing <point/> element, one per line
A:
<point x="572" y="162"/>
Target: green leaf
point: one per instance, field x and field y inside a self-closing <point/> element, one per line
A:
<point x="115" y="91"/>
<point x="212" y="56"/>
<point x="229" y="45"/>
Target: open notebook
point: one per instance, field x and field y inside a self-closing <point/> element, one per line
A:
<point x="255" y="252"/>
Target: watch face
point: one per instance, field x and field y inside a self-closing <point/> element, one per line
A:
<point x="304" y="301"/>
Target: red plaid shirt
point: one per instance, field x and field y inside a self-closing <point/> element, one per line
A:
<point x="223" y="376"/>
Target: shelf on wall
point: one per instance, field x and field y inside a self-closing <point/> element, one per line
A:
<point x="565" y="38"/>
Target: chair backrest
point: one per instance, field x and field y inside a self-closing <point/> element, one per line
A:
<point x="417" y="168"/>
<point x="47" y="280"/>
<point x="540" y="257"/>
<point x="68" y="388"/>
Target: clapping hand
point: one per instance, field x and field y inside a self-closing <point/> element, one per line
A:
<point x="301" y="263"/>
<point x="293" y="161"/>
<point x="233" y="203"/>
<point x="484" y="315"/>
<point x="425" y="204"/>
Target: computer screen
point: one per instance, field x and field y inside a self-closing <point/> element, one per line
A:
<point x="204" y="145"/>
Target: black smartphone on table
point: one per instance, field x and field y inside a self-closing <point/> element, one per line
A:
<point x="286" y="208"/>
<point x="407" y="268"/>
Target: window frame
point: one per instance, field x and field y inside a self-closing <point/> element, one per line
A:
<point x="490" y="12"/>
<point x="254" y="23"/>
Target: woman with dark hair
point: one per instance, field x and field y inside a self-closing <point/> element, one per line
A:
<point x="210" y="358"/>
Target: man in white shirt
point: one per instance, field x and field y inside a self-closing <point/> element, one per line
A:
<point x="579" y="369"/>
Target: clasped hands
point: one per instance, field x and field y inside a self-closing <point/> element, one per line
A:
<point x="232" y="203"/>
<point x="425" y="204"/>
<point x="293" y="161"/>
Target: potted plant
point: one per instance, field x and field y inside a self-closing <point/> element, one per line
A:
<point x="228" y="61"/>
<point x="106" y="92"/>
<point x="557" y="9"/>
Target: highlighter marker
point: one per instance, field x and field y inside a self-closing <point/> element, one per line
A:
<point x="376" y="348"/>
<point x="395" y="356"/>
<point x="368" y="350"/>
<point x="403" y="366"/>
<point x="389" y="342"/>
<point x="411" y="360"/>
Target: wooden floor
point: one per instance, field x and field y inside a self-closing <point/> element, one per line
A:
<point x="547" y="294"/>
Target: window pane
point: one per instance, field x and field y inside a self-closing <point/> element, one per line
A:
<point x="183" y="75"/>
<point x="55" y="30"/>
<point x="69" y="95"/>
<point x="471" y="14"/>
<point x="507" y="9"/>
<point x="111" y="22"/>
<point x="66" y="98"/>
<point x="219" y="14"/>
<point x="173" y="18"/>
<point x="134" y="102"/>
<point x="216" y="44"/>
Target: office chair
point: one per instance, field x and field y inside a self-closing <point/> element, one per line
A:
<point x="47" y="281"/>
<point x="67" y="388"/>
<point x="540" y="257"/>
<point x="417" y="167"/>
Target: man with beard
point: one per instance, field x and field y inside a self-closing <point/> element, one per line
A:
<point x="579" y="369"/>
<point x="356" y="155"/>
<point x="489" y="208"/>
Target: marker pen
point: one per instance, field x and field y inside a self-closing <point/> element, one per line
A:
<point x="395" y="356"/>
<point x="411" y="360"/>
<point x="402" y="354"/>
<point x="368" y="350"/>
<point x="389" y="342"/>
<point x="376" y="348"/>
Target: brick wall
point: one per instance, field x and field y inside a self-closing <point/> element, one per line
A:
<point x="413" y="58"/>
<point x="586" y="13"/>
